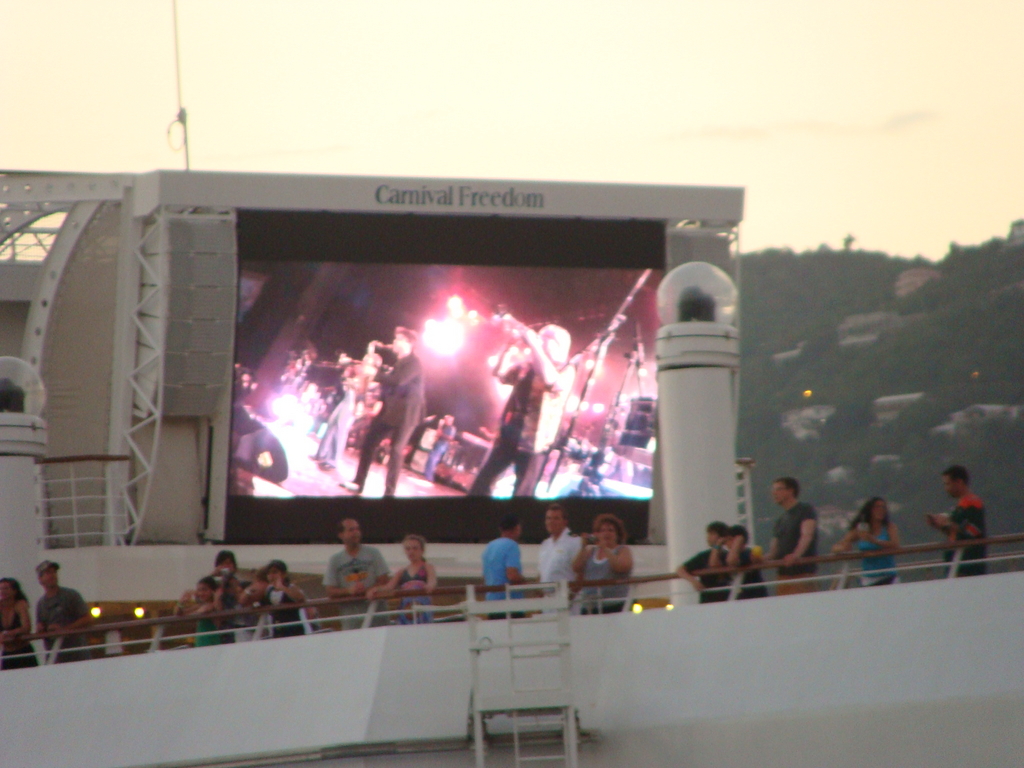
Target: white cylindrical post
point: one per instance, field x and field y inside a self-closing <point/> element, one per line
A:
<point x="698" y="364"/>
<point x="22" y="440"/>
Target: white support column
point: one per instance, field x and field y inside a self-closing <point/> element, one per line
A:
<point x="698" y="366"/>
<point x="696" y="432"/>
<point x="22" y="439"/>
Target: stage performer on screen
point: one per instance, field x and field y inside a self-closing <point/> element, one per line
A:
<point x="351" y="386"/>
<point x="402" y="395"/>
<point x="541" y="382"/>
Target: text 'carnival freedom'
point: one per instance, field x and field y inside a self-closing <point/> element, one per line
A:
<point x="463" y="196"/>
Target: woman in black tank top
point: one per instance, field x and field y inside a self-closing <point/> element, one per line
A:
<point x="15" y="623"/>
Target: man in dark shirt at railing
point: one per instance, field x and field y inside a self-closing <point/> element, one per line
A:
<point x="712" y="589"/>
<point x="795" y="535"/>
<point x="966" y="521"/>
<point x="61" y="608"/>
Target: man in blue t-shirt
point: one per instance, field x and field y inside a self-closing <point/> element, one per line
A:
<point x="501" y="560"/>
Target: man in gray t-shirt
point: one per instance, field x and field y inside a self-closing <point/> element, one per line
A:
<point x="61" y="608"/>
<point x="353" y="571"/>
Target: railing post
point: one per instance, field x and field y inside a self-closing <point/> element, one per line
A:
<point x="844" y="575"/>
<point x="307" y="625"/>
<point x="50" y="656"/>
<point x="954" y="564"/>
<point x="262" y="626"/>
<point x="74" y="504"/>
<point x="158" y="635"/>
<point x="734" y="589"/>
<point x="370" y="610"/>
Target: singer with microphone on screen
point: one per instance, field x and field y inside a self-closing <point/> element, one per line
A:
<point x="535" y="364"/>
<point x="402" y="396"/>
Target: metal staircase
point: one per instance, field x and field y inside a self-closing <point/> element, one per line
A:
<point x="533" y="682"/>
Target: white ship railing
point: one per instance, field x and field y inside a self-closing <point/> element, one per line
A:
<point x="79" y="506"/>
<point x="647" y="592"/>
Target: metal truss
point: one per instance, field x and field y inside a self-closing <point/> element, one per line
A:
<point x="28" y="236"/>
<point x="33" y="209"/>
<point x="150" y="260"/>
<point x="145" y="377"/>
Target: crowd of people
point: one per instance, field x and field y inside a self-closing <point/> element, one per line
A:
<point x="359" y="571"/>
<point x="794" y="542"/>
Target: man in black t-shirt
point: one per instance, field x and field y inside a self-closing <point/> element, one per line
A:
<point x="794" y="536"/>
<point x="712" y="589"/>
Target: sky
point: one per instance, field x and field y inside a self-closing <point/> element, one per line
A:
<point x="899" y="123"/>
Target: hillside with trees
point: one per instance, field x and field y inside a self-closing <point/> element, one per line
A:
<point x="826" y="334"/>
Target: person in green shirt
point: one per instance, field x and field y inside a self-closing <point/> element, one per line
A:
<point x="966" y="521"/>
<point x="205" y="598"/>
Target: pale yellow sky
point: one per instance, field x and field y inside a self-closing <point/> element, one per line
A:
<point x="899" y="122"/>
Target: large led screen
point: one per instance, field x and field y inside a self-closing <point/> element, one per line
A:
<point x="431" y="372"/>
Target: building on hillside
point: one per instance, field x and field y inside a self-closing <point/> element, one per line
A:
<point x="790" y="354"/>
<point x="1016" y="236"/>
<point x="859" y="330"/>
<point x="841" y="474"/>
<point x="909" y="280"/>
<point x="806" y="423"/>
<point x="887" y="461"/>
<point x="889" y="408"/>
<point x="976" y="414"/>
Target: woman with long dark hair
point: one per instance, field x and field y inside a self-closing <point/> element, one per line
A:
<point x="15" y="623"/>
<point x="871" y="530"/>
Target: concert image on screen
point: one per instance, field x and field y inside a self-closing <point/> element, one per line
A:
<point x="446" y="370"/>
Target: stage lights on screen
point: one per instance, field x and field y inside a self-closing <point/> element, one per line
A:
<point x="444" y="337"/>
<point x="286" y="407"/>
<point x="288" y="410"/>
<point x="456" y="308"/>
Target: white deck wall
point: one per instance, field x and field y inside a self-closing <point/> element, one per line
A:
<point x="928" y="674"/>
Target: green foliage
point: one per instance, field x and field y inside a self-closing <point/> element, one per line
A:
<point x="961" y="342"/>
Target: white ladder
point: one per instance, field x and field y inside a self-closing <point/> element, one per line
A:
<point x="529" y="641"/>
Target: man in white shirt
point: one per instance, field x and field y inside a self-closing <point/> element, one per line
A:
<point x="559" y="549"/>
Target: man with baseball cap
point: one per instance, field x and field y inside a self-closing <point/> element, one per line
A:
<point x="61" y="608"/>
